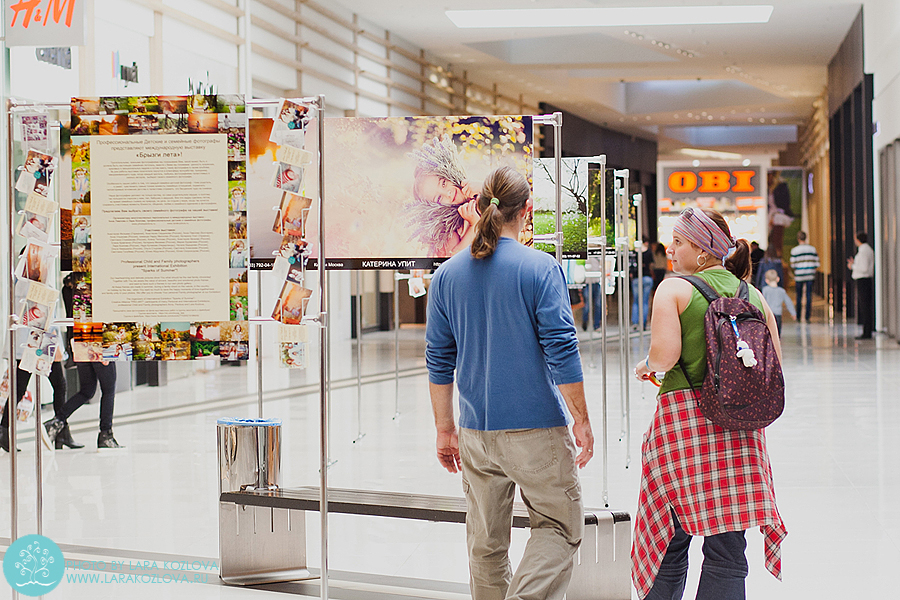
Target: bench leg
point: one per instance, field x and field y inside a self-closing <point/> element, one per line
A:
<point x="603" y="562"/>
<point x="261" y="545"/>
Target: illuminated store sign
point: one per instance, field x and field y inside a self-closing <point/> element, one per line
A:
<point x="44" y="22"/>
<point x="693" y="182"/>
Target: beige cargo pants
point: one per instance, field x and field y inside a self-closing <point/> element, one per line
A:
<point x="542" y="463"/>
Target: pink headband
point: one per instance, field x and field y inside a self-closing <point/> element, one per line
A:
<point x="697" y="227"/>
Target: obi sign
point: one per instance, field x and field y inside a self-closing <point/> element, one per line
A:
<point x="691" y="183"/>
<point x="44" y="22"/>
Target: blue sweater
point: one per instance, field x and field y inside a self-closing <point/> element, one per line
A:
<point x="505" y="325"/>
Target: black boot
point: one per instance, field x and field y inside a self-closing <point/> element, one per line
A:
<point x="106" y="440"/>
<point x="4" y="438"/>
<point x="64" y="438"/>
<point x="53" y="427"/>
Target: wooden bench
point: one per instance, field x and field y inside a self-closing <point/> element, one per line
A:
<point x="262" y="534"/>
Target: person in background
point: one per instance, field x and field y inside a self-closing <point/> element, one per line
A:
<point x="756" y="255"/>
<point x="499" y="317"/>
<point x="646" y="282"/>
<point x="804" y="263"/>
<point x="776" y="297"/>
<point x="699" y="479"/>
<point x="592" y="265"/>
<point x="660" y="264"/>
<point x="862" y="270"/>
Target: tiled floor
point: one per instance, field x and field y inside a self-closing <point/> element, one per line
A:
<point x="835" y="455"/>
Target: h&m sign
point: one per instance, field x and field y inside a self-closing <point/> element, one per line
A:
<point x="44" y="22"/>
<point x="720" y="181"/>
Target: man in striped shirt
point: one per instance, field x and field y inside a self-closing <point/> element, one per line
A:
<point x="804" y="262"/>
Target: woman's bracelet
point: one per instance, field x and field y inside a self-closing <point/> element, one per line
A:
<point x="647" y="362"/>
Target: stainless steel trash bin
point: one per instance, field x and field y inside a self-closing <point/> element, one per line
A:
<point x="249" y="454"/>
<point x="256" y="544"/>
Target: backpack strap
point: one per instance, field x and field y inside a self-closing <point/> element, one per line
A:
<point x="704" y="288"/>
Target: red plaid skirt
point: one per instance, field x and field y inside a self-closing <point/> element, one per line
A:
<point x="716" y="480"/>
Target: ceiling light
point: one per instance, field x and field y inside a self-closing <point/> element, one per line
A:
<point x="746" y="162"/>
<point x="695" y="163"/>
<point x="610" y="17"/>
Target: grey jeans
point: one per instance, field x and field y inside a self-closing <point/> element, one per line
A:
<point x="542" y="463"/>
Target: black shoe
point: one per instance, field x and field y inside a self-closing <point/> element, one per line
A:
<point x="64" y="438"/>
<point x="53" y="427"/>
<point x="4" y="439"/>
<point x="106" y="440"/>
<point x="864" y="337"/>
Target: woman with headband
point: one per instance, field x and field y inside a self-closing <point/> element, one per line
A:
<point x="696" y="477"/>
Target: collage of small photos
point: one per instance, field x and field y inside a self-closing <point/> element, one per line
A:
<point x="288" y="133"/>
<point x="37" y="341"/>
<point x="159" y="115"/>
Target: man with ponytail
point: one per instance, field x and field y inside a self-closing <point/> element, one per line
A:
<point x="499" y="316"/>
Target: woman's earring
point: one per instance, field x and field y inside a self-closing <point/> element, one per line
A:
<point x="704" y="262"/>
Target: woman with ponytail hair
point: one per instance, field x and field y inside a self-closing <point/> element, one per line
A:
<point x="499" y="318"/>
<point x="698" y="478"/>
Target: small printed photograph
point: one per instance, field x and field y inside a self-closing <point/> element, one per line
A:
<point x="143" y="105"/>
<point x="237" y="287"/>
<point x="234" y="331"/>
<point x="237" y="276"/>
<point x="204" y="349"/>
<point x="238" y="307"/>
<point x="177" y="350"/>
<point x="143" y="124"/>
<point x="81" y="229"/>
<point x="117" y="351"/>
<point x="81" y="301"/>
<point x="113" y="125"/>
<point x="292" y="116"/>
<point x="85" y="106"/>
<point x="202" y="122"/>
<point x="36" y="261"/>
<point x="81" y="182"/>
<point x="34" y="226"/>
<point x="146" y="332"/>
<point x="287" y="178"/>
<point x="237" y="258"/>
<point x="145" y="350"/>
<point x="39" y="360"/>
<point x="34" y="315"/>
<point x="234" y="350"/>
<point x="85" y="125"/>
<point x="291" y="304"/>
<point x="293" y="355"/>
<point x="85" y="351"/>
<point x="230" y="103"/>
<point x="229" y="121"/>
<point x="237" y="170"/>
<point x="173" y="123"/>
<point x="292" y="215"/>
<point x="172" y="104"/>
<point x="83" y="207"/>
<point x="174" y="331"/>
<point x="88" y="332"/>
<point x="237" y="196"/>
<point x="81" y="258"/>
<point x="33" y="338"/>
<point x="237" y="225"/>
<point x="114" y="105"/>
<point x="34" y="128"/>
<point x="34" y="178"/>
<point x="237" y="144"/>
<point x="118" y="333"/>
<point x="202" y="103"/>
<point x="205" y="332"/>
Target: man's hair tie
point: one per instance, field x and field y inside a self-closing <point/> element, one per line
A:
<point x="495" y="201"/>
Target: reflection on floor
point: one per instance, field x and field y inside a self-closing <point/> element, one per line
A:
<point x="835" y="455"/>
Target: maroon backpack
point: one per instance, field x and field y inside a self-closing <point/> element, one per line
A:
<point x="744" y="385"/>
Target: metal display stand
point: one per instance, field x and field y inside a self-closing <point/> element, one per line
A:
<point x="622" y="209"/>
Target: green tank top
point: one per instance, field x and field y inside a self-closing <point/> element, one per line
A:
<point x="693" y="335"/>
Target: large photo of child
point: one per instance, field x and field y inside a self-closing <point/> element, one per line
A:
<point x="405" y="187"/>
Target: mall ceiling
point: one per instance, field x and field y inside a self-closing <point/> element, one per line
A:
<point x="738" y="88"/>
